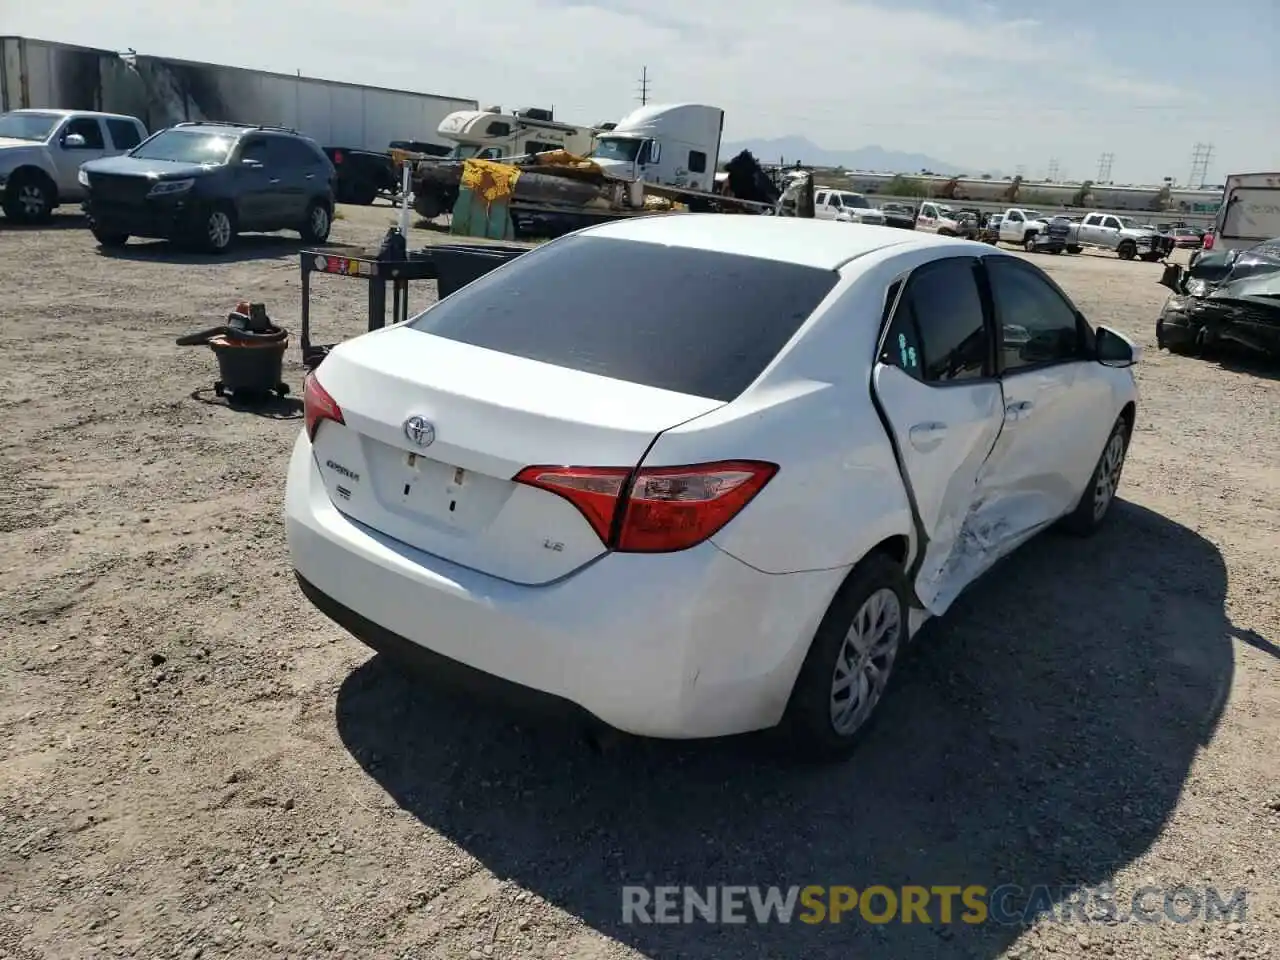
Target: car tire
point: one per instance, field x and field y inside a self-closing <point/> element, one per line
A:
<point x="819" y="723"/>
<point x="1074" y="250"/>
<point x="362" y="193"/>
<point x="1029" y="243"/>
<point x="1100" y="492"/>
<point x="215" y="230"/>
<point x="1127" y="250"/>
<point x="317" y="224"/>
<point x="109" y="239"/>
<point x="29" y="198"/>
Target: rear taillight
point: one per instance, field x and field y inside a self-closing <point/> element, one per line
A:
<point x="655" y="509"/>
<point x="318" y="406"/>
<point x="337" y="156"/>
<point x="1208" y="241"/>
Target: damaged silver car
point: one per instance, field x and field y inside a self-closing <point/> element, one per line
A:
<point x="1231" y="296"/>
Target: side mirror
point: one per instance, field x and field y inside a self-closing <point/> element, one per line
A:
<point x="1172" y="277"/>
<point x="74" y="141"/>
<point x="1115" y="349"/>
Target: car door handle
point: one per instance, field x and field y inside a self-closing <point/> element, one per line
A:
<point x="927" y="436"/>
<point x="311" y="176"/>
<point x="274" y="180"/>
<point x="1018" y="411"/>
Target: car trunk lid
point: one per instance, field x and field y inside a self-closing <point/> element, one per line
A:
<point x="490" y="414"/>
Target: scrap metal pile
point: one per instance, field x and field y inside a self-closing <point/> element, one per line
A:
<point x="555" y="192"/>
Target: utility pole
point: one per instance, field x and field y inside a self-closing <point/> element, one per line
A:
<point x="1020" y="171"/>
<point x="1053" y="170"/>
<point x="643" y="92"/>
<point x="1104" y="167"/>
<point x="1199" y="165"/>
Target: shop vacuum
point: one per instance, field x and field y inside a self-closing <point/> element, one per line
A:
<point x="250" y="351"/>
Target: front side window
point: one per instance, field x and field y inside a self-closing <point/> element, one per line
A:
<point x="1038" y="324"/>
<point x="938" y="333"/>
<point x="90" y="129"/>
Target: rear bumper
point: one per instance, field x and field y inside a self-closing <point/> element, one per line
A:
<point x="683" y="645"/>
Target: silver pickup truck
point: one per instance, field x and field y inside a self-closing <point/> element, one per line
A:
<point x="1122" y="235"/>
<point x="41" y="152"/>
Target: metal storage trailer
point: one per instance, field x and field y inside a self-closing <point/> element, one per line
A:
<point x="37" y="73"/>
<point x="332" y="112"/>
<point x="162" y="91"/>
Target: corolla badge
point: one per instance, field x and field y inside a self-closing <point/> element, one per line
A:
<point x="420" y="431"/>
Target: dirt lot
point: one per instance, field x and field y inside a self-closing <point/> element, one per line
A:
<point x="197" y="764"/>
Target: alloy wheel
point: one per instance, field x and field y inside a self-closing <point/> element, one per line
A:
<point x="319" y="222"/>
<point x="865" y="660"/>
<point x="1104" y="490"/>
<point x="219" y="226"/>
<point x="31" y="200"/>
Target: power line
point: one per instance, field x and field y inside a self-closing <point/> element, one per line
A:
<point x="643" y="92"/>
<point x="1104" y="167"/>
<point x="1200" y="156"/>
<point x="1053" y="170"/>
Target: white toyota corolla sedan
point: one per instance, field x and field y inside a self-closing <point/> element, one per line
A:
<point x="700" y="475"/>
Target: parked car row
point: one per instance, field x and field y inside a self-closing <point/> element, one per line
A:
<point x="1019" y="226"/>
<point x="199" y="183"/>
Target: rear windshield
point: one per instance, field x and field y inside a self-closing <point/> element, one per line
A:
<point x="680" y="319"/>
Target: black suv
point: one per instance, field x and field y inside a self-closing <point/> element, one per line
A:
<point x="202" y="183"/>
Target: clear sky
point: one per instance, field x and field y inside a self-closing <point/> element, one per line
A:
<point x="981" y="83"/>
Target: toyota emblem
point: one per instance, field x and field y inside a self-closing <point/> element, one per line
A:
<point x="420" y="431"/>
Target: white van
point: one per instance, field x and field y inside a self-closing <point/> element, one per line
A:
<point x="1250" y="212"/>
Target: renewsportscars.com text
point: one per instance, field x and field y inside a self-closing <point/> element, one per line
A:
<point x="1008" y="904"/>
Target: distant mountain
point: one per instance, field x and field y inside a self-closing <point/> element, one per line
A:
<point x="873" y="158"/>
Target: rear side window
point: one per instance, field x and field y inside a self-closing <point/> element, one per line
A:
<point x="691" y="321"/>
<point x="938" y="333"/>
<point x="293" y="153"/>
<point x="124" y="134"/>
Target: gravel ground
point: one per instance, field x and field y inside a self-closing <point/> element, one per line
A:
<point x="197" y="764"/>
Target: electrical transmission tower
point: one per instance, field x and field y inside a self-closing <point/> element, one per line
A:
<point x="1053" y="170"/>
<point x="1104" y="167"/>
<point x="642" y="93"/>
<point x="1200" y="165"/>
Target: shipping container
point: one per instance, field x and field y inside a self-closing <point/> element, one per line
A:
<point x="162" y="91"/>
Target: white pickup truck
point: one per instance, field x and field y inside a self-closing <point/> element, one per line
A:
<point x="1019" y="225"/>
<point x="41" y="152"/>
<point x="846" y="206"/>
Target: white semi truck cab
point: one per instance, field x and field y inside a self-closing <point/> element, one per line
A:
<point x="676" y="144"/>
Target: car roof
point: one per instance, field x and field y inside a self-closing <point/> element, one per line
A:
<point x="823" y="244"/>
<point x="52" y="112"/>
